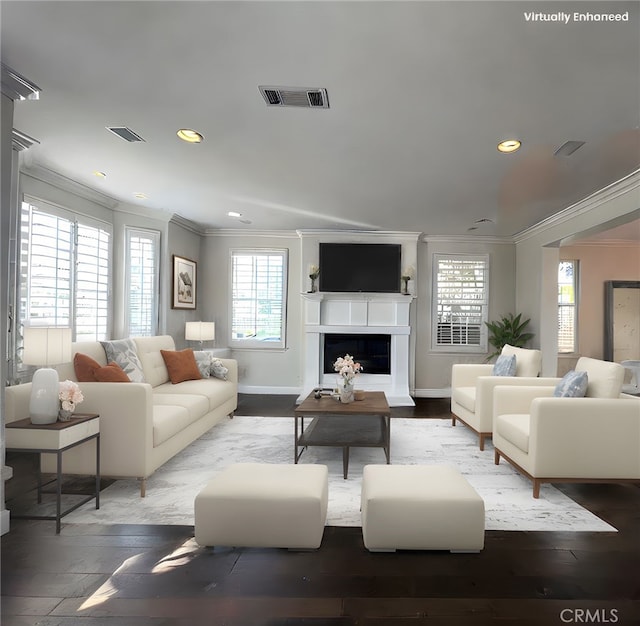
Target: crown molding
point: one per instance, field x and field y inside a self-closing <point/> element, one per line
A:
<point x="239" y="232"/>
<point x="605" y="243"/>
<point x="619" y="188"/>
<point x="467" y="239"/>
<point x="45" y="175"/>
<point x="374" y="234"/>
<point x="187" y="224"/>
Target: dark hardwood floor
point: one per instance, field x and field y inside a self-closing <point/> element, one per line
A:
<point x="128" y="575"/>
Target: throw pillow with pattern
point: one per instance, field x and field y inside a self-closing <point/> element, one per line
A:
<point x="505" y="365"/>
<point x="124" y="353"/>
<point x="573" y="385"/>
<point x="203" y="361"/>
<point x="218" y="369"/>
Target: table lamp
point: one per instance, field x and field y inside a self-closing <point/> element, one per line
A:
<point x="200" y="331"/>
<point x="45" y="346"/>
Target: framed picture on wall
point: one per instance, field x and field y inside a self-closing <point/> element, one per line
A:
<point x="184" y="283"/>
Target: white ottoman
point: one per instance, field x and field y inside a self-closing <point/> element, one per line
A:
<point x="420" y="507"/>
<point x="263" y="505"/>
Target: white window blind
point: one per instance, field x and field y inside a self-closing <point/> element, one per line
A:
<point x="142" y="282"/>
<point x="567" y="306"/>
<point x="64" y="271"/>
<point x="258" y="287"/>
<point x="460" y="301"/>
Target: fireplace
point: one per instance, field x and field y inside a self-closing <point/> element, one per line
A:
<point x="373" y="328"/>
<point x="373" y="352"/>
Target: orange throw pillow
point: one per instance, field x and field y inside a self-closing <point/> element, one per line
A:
<point x="90" y="371"/>
<point x="85" y="368"/>
<point x="112" y="373"/>
<point x="181" y="365"/>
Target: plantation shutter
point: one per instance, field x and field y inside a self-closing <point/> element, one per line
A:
<point x="258" y="297"/>
<point x="92" y="283"/>
<point x="142" y="282"/>
<point x="567" y="306"/>
<point x="461" y="299"/>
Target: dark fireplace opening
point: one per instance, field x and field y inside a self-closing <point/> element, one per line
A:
<point x="373" y="352"/>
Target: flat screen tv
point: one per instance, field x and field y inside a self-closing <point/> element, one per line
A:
<point x="367" y="267"/>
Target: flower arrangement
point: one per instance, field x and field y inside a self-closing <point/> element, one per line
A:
<point x="347" y="368"/>
<point x="70" y="395"/>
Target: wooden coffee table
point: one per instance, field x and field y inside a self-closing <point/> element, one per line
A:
<point x="359" y="424"/>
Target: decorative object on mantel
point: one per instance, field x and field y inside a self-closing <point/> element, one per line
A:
<point x="45" y="346"/>
<point x="70" y="396"/>
<point x="407" y="275"/>
<point x="508" y="330"/>
<point x="347" y="369"/>
<point x="314" y="272"/>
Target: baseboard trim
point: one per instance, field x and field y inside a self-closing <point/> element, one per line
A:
<point x="276" y="391"/>
<point x="432" y="393"/>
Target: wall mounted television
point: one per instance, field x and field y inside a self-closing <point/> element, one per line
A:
<point x="355" y="267"/>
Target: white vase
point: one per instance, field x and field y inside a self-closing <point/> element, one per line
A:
<point x="345" y="389"/>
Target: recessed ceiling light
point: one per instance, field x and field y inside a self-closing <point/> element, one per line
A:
<point x="234" y="214"/>
<point x="140" y="195"/>
<point x="484" y="220"/>
<point x="99" y="174"/>
<point x="189" y="135"/>
<point x="509" y="145"/>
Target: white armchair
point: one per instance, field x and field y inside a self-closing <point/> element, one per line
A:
<point x="549" y="439"/>
<point x="472" y="387"/>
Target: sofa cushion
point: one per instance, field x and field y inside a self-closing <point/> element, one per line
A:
<point x="181" y="365"/>
<point x="89" y="370"/>
<point x="505" y="365"/>
<point x="169" y="420"/>
<point x="528" y="362"/>
<point x="605" y="378"/>
<point x="216" y="391"/>
<point x="197" y="406"/>
<point x="515" y="429"/>
<point x="465" y="397"/>
<point x="572" y="385"/>
<point x="123" y="352"/>
<point x="155" y="370"/>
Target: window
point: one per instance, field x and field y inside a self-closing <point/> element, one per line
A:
<point x="460" y="302"/>
<point x="64" y="270"/>
<point x="567" y="306"/>
<point x="258" y="298"/>
<point x="142" y="280"/>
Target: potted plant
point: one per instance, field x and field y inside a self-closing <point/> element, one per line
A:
<point x="509" y="329"/>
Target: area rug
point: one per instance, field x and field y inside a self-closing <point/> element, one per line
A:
<point x="171" y="490"/>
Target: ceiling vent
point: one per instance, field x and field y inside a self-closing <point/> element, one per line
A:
<point x="125" y="133"/>
<point x="295" y="97"/>
<point x="568" y="148"/>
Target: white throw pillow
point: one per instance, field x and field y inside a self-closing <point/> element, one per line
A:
<point x="218" y="369"/>
<point x="528" y="362"/>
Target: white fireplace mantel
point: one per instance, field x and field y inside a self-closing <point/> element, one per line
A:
<point x="352" y="313"/>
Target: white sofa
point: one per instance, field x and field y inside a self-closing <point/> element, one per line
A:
<point x="595" y="438"/>
<point x="472" y="386"/>
<point x="142" y="425"/>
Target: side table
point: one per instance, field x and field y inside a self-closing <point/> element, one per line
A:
<point x="55" y="438"/>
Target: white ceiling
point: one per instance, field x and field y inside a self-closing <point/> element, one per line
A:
<point x="420" y="94"/>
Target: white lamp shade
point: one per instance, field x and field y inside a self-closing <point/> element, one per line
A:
<point x="46" y="346"/>
<point x="199" y="331"/>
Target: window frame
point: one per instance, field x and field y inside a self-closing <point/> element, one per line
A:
<point x="567" y="305"/>
<point x="254" y="344"/>
<point x="155" y="236"/>
<point x="482" y="346"/>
